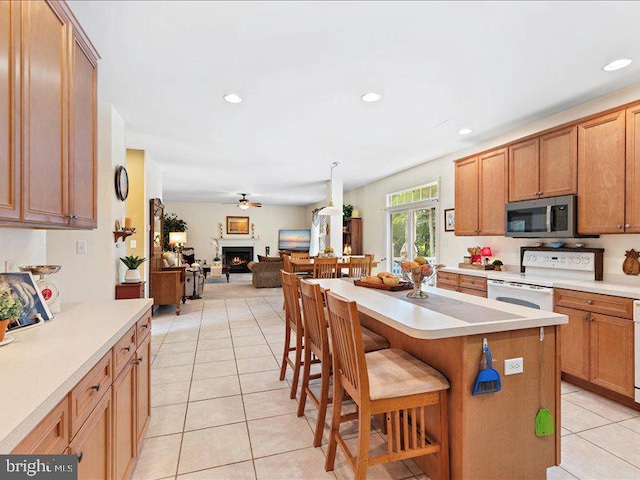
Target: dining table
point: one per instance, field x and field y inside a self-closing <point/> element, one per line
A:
<point x="491" y="435"/>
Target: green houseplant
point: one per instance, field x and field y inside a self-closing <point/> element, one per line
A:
<point x="347" y="211"/>
<point x="132" y="262"/>
<point x="171" y="224"/>
<point x="10" y="308"/>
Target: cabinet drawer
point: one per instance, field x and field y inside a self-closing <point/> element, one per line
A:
<point x="595" y="302"/>
<point x="51" y="436"/>
<point x="446" y="278"/>
<point x="143" y="328"/>
<point x="472" y="291"/>
<point x="476" y="283"/>
<point x="123" y="351"/>
<point x="446" y="286"/>
<point x="88" y="392"/>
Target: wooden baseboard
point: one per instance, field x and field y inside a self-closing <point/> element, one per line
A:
<point x="616" y="397"/>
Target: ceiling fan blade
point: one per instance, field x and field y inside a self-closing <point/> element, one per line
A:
<point x="254" y="204"/>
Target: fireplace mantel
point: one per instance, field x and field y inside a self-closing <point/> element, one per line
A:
<point x="237" y="242"/>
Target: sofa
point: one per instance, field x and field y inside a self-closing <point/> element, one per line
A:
<point x="266" y="272"/>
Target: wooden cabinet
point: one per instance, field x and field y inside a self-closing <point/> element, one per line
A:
<point x="601" y="174"/>
<point x="88" y="392"/>
<point x="51" y="436"/>
<point x="125" y="434"/>
<point x="469" y="284"/>
<point x="352" y="234"/>
<point x="130" y="290"/>
<point x="492" y="192"/>
<point x="9" y="113"/>
<point x="466" y="197"/>
<point x="480" y="194"/>
<point x="143" y="388"/>
<point x="48" y="117"/>
<point x="545" y="166"/>
<point x="595" y="346"/>
<point x="93" y="444"/>
<point x="632" y="194"/>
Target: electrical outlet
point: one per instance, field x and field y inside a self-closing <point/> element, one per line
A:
<point x="513" y="366"/>
<point x="9" y="265"/>
<point x="81" y="247"/>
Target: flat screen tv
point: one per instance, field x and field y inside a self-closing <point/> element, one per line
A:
<point x="295" y="240"/>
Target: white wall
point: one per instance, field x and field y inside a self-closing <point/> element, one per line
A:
<point x="93" y="276"/>
<point x="370" y="199"/>
<point x="22" y="247"/>
<point x="203" y="218"/>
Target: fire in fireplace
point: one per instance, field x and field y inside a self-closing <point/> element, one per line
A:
<point x="237" y="258"/>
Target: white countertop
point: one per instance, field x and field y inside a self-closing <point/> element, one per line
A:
<point x="44" y="363"/>
<point x="419" y="322"/>
<point x="617" y="285"/>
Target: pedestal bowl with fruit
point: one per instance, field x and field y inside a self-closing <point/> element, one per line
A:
<point x="417" y="272"/>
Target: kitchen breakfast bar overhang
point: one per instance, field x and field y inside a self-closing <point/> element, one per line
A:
<point x="491" y="436"/>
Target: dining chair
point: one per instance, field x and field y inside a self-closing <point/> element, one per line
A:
<point x="316" y="343"/>
<point x="325" y="267"/>
<point x="293" y="323"/>
<point x="359" y="267"/>
<point x="300" y="255"/>
<point x="389" y="381"/>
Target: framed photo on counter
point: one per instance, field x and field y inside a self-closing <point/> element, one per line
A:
<point x="34" y="309"/>
<point x="237" y="225"/>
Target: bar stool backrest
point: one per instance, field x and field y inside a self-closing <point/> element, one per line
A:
<point x="314" y="319"/>
<point x="291" y="303"/>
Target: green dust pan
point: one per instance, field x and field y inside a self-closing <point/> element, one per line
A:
<point x="545" y="424"/>
<point x="488" y="379"/>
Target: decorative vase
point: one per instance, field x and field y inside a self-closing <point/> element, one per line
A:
<point x="4" y="323"/>
<point x="132" y="276"/>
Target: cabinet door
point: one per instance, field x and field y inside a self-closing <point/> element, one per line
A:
<point x="493" y="192"/>
<point x="559" y="163"/>
<point x="44" y="113"/>
<point x="466" y="197"/>
<point x="574" y="343"/>
<point x="92" y="445"/>
<point x="124" y="422"/>
<point x="82" y="135"/>
<point x="9" y="113"/>
<point x="143" y="388"/>
<point x="51" y="436"/>
<point x="632" y="214"/>
<point x="523" y="170"/>
<point x="612" y="364"/>
<point x="601" y="174"/>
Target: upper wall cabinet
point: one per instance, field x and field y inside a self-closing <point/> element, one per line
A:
<point x="632" y="213"/>
<point x="480" y="194"/>
<point x="544" y="166"/>
<point x="601" y="174"/>
<point x="54" y="125"/>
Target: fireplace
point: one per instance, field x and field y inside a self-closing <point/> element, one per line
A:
<point x="237" y="258"/>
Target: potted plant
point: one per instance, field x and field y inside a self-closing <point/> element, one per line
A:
<point x="10" y="308"/>
<point x="132" y="262"/>
<point x="347" y="210"/>
<point x="497" y="264"/>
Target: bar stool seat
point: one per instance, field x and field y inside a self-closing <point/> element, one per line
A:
<point x="372" y="341"/>
<point x="396" y="373"/>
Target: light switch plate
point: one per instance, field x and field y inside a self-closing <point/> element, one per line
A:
<point x="81" y="247"/>
<point x="513" y="366"/>
<point x="132" y="243"/>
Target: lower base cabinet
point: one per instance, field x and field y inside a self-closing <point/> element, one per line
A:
<point x="143" y="389"/>
<point x="125" y="435"/>
<point x="93" y="443"/>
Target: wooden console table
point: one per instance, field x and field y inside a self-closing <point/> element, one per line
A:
<point x="130" y="290"/>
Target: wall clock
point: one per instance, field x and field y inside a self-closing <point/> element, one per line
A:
<point x="122" y="183"/>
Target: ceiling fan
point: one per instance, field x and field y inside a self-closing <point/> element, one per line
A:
<point x="244" y="203"/>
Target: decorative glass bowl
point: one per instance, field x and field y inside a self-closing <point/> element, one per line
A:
<point x="417" y="275"/>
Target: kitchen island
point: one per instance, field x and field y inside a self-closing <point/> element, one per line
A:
<point x="492" y="435"/>
<point x="80" y="384"/>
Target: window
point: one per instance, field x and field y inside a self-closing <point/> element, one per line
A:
<point x="412" y="224"/>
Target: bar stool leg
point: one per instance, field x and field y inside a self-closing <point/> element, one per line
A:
<point x="324" y="401"/>
<point x="306" y="372"/>
<point x="285" y="354"/>
<point x="364" y="431"/>
<point x="335" y="425"/>
<point x="296" y="366"/>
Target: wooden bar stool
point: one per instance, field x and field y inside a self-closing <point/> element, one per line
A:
<point x="293" y="323"/>
<point x="388" y="381"/>
<point x="359" y="267"/>
<point x="325" y="267"/>
<point x="316" y="342"/>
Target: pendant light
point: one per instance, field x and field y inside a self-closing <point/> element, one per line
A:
<point x="331" y="209"/>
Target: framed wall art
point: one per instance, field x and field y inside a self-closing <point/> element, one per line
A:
<point x="449" y="220"/>
<point x="237" y="225"/>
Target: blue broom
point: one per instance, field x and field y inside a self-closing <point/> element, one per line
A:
<point x="488" y="379"/>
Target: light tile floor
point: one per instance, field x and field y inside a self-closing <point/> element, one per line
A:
<point x="220" y="412"/>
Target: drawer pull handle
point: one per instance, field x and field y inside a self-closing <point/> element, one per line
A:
<point x="146" y="325"/>
<point x="128" y="349"/>
<point x="96" y="387"/>
<point x="589" y="302"/>
<point x="80" y="455"/>
<point x="586" y="317"/>
<point x="138" y="361"/>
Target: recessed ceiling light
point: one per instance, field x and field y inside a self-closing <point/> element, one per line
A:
<point x="371" y="97"/>
<point x="232" y="98"/>
<point x="617" y="64"/>
<point x="465" y="131"/>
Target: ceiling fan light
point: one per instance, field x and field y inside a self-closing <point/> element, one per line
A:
<point x="243" y="205"/>
<point x="330" y="210"/>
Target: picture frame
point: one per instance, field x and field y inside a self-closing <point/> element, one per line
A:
<point x="449" y="219"/>
<point x="36" y="309"/>
<point x="237" y="225"/>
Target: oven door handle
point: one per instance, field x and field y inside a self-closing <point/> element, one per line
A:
<point x="542" y="290"/>
<point x="548" y="218"/>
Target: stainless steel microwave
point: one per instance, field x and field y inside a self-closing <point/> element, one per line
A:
<point x="542" y="218"/>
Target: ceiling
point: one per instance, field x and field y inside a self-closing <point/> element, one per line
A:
<point x="301" y="68"/>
